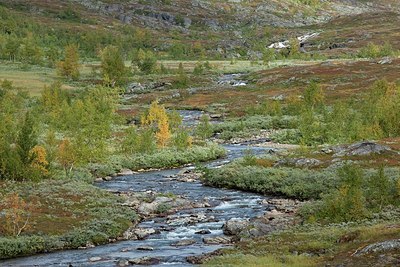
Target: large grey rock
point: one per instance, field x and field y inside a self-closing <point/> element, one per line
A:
<point x="124" y="172"/>
<point x="361" y="149"/>
<point x="144" y="261"/>
<point x="218" y="240"/>
<point x="379" y="247"/>
<point x="142" y="233"/>
<point x="147" y="208"/>
<point x="235" y="226"/>
<point x="299" y="162"/>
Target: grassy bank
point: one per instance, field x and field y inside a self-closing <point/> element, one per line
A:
<point x="313" y="245"/>
<point x="61" y="215"/>
<point x="286" y="182"/>
<point x="161" y="159"/>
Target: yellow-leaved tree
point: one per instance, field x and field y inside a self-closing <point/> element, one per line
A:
<point x="163" y="134"/>
<point x="157" y="118"/>
<point x="69" y="67"/>
<point x="39" y="161"/>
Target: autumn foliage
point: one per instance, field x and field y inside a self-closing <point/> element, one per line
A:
<point x="39" y="161"/>
<point x="157" y="118"/>
<point x="17" y="214"/>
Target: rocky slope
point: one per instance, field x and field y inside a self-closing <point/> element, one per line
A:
<point x="222" y="25"/>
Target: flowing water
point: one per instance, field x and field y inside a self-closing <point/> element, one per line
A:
<point x="225" y="205"/>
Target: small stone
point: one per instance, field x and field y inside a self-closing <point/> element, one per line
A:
<point x="98" y="180"/>
<point x="185" y="242"/>
<point x="203" y="232"/>
<point x="125" y="172"/>
<point x="94" y="259"/>
<point x="122" y="263"/>
<point x="107" y="178"/>
<point x="145" y="248"/>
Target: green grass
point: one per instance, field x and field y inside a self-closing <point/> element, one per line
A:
<point x="162" y="159"/>
<point x="287" y="182"/>
<point x="28" y="77"/>
<point x="67" y="214"/>
<point x="311" y="245"/>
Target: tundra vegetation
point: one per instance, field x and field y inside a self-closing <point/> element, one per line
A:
<point x="92" y="95"/>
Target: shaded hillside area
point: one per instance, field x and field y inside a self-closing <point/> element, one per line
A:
<point x="203" y="28"/>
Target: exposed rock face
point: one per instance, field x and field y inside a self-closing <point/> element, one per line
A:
<point x="360" y="149"/>
<point x="138" y="88"/>
<point x="379" y="247"/>
<point x="299" y="162"/>
<point x="281" y="215"/>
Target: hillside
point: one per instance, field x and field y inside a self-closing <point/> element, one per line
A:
<point x="230" y="133"/>
<point x="223" y="29"/>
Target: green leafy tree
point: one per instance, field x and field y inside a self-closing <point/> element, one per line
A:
<point x="313" y="96"/>
<point x="348" y="202"/>
<point x="146" y="61"/>
<point x="182" y="80"/>
<point x="182" y="140"/>
<point x="204" y="128"/>
<point x="113" y="66"/>
<point x="27" y="139"/>
<point x="69" y="67"/>
<point x="379" y="191"/>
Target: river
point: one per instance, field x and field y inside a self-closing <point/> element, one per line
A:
<point x="224" y="205"/>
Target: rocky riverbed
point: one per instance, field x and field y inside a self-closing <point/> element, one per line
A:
<point x="181" y="220"/>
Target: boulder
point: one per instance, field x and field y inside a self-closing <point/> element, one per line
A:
<point x="107" y="178"/>
<point x="203" y="232"/>
<point x="218" y="240"/>
<point x="204" y="257"/>
<point x="142" y="233"/>
<point x="385" y="60"/>
<point x="235" y="226"/>
<point x="144" y="261"/>
<point x="361" y="149"/>
<point x="379" y="247"/>
<point x="147" y="208"/>
<point x="124" y="172"/>
<point x="299" y="162"/>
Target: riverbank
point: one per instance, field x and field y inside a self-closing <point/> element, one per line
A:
<point x="167" y="234"/>
<point x="60" y="215"/>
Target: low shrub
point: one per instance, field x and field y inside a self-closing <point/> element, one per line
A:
<point x="287" y="182"/>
